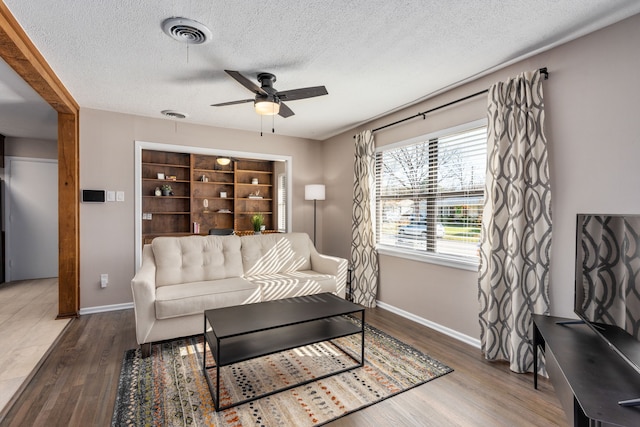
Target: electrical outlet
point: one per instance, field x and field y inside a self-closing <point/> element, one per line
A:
<point x="104" y="280"/>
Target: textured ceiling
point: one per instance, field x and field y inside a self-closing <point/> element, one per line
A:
<point x="373" y="56"/>
<point x="23" y="112"/>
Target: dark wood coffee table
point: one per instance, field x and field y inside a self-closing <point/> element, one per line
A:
<point x="244" y="332"/>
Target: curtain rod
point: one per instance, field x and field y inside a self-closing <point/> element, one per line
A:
<point x="423" y="114"/>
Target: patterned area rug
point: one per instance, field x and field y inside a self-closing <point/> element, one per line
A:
<point x="169" y="389"/>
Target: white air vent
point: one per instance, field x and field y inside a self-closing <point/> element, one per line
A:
<point x="186" y="30"/>
<point x="174" y="114"/>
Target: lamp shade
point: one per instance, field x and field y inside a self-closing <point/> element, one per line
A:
<point x="223" y="161"/>
<point x="314" y="192"/>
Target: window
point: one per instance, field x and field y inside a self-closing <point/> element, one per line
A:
<point x="430" y="194"/>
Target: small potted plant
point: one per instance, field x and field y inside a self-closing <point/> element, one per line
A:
<point x="257" y="220"/>
<point x="166" y="190"/>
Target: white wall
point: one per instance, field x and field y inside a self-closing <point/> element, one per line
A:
<point x="593" y="129"/>
<point x="31" y="204"/>
<point x="107" y="143"/>
<point x="26" y="148"/>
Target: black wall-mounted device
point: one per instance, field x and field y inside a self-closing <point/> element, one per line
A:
<point x="93" y="196"/>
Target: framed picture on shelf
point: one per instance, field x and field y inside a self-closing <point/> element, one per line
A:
<point x="160" y="175"/>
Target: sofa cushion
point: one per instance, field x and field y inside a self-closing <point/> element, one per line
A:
<point x="196" y="258"/>
<point x="293" y="284"/>
<point x="196" y="297"/>
<point x="275" y="253"/>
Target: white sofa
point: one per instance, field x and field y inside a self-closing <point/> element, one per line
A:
<point x="181" y="277"/>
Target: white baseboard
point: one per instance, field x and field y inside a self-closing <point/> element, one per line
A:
<point x="447" y="331"/>
<point x="105" y="308"/>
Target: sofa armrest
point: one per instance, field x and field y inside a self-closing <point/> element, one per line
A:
<point x="336" y="266"/>
<point x="143" y="286"/>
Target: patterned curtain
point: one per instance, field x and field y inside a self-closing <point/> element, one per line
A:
<point x="364" y="258"/>
<point x="608" y="265"/>
<point x="516" y="228"/>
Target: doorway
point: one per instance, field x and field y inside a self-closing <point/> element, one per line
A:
<point x="19" y="52"/>
<point x="31" y="218"/>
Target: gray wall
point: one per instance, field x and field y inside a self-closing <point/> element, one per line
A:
<point x="30" y="147"/>
<point x="593" y="128"/>
<point x="107" y="142"/>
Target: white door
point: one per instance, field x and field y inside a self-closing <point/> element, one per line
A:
<point x="31" y="218"/>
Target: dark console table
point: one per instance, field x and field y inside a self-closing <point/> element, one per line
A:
<point x="588" y="377"/>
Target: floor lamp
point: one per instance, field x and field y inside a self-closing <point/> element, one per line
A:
<point x="314" y="192"/>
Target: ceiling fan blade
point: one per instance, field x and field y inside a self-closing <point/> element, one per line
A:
<point x="306" y="92"/>
<point x="246" y="82"/>
<point x="223" y="104"/>
<point x="285" y="111"/>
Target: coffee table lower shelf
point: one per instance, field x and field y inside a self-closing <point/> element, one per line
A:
<point x="251" y="345"/>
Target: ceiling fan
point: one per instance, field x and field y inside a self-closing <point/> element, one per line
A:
<point x="269" y="101"/>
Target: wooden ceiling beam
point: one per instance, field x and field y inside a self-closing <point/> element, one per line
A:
<point x="21" y="54"/>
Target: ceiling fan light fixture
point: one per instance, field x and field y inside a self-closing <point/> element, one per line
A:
<point x="223" y="161"/>
<point x="267" y="106"/>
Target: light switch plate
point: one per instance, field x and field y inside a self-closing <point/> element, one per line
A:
<point x="111" y="196"/>
<point x="120" y="196"/>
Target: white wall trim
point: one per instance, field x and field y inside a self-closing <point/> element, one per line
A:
<point x="436" y="134"/>
<point x="429" y="324"/>
<point x="105" y="308"/>
<point x="427" y="257"/>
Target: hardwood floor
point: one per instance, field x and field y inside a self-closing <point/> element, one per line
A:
<point x="477" y="393"/>
<point x="28" y="329"/>
<point x="76" y="385"/>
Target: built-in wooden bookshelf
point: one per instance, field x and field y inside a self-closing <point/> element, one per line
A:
<point x="165" y="215"/>
<point x="204" y="194"/>
<point x="212" y="195"/>
<point x="254" y="192"/>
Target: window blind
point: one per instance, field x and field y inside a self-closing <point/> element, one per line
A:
<point x="430" y="194"/>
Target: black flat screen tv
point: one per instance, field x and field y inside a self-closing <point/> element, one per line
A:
<point x="607" y="284"/>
